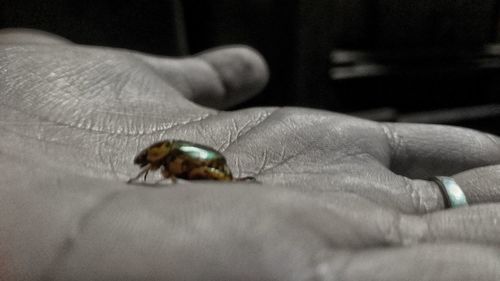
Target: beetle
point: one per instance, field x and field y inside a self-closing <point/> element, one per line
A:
<point x="185" y="160"/>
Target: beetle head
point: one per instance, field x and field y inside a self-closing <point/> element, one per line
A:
<point x="153" y="154"/>
<point x="142" y="158"/>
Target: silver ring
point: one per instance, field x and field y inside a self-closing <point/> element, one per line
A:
<point x="453" y="195"/>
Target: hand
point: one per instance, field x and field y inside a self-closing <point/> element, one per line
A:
<point x="338" y="199"/>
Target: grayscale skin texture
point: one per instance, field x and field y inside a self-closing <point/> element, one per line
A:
<point x="340" y="198"/>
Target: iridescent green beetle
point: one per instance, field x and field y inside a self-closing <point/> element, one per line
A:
<point x="185" y="160"/>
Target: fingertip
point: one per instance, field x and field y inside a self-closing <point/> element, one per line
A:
<point x="217" y="78"/>
<point x="241" y="70"/>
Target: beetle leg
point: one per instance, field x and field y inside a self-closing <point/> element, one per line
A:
<point x="167" y="175"/>
<point x="144" y="172"/>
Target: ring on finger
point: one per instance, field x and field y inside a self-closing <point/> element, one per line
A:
<point x="453" y="195"/>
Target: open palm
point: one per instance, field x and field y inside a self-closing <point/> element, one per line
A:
<point x="73" y="117"/>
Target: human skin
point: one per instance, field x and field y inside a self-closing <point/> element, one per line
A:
<point x="339" y="198"/>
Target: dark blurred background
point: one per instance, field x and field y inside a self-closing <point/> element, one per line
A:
<point x="435" y="61"/>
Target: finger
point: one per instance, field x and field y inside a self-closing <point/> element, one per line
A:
<point x="480" y="185"/>
<point x="217" y="78"/>
<point x="432" y="262"/>
<point x="376" y="225"/>
<point x="242" y="72"/>
<point x="478" y="224"/>
<point x="29" y="36"/>
<point x="422" y="151"/>
<point x="474" y="224"/>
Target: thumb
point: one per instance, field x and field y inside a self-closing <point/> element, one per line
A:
<point x="242" y="73"/>
<point x="218" y="78"/>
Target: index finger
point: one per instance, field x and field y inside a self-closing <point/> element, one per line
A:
<point x="422" y="151"/>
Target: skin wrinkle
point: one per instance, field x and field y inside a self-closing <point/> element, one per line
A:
<point x="231" y="134"/>
<point x="343" y="135"/>
<point x="284" y="161"/>
<point x="152" y="132"/>
<point x="306" y="147"/>
<point x="460" y="156"/>
<point x="124" y="79"/>
<point x="180" y="124"/>
<point x="474" y="193"/>
<point x="417" y="202"/>
<point x="110" y="170"/>
<point x="238" y="165"/>
<point x="393" y="197"/>
<point x="240" y="135"/>
<point x="430" y="236"/>
<point x="343" y="156"/>
<point x="68" y="245"/>
<point x="230" y="138"/>
<point x="436" y="202"/>
<point x="71" y="78"/>
<point x="265" y="159"/>
<point x="291" y="124"/>
<point x="394" y="144"/>
<point x="384" y="155"/>
<point x="241" y="131"/>
<point x="413" y="229"/>
<point x="495" y="140"/>
<point x="38" y="136"/>
<point x="111" y="85"/>
<point x="100" y="153"/>
<point x="394" y="236"/>
<point x="132" y="72"/>
<point x="63" y="78"/>
<point x="105" y="79"/>
<point x="332" y="179"/>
